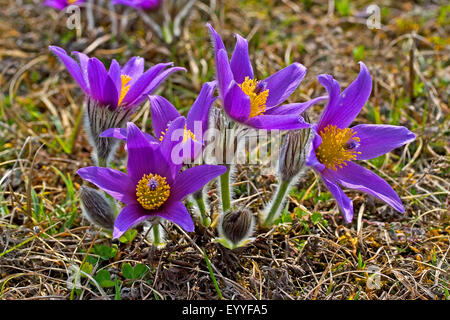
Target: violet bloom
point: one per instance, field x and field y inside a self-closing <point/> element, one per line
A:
<point x="153" y="187"/>
<point x="257" y="103"/>
<point x="61" y="4"/>
<point x="335" y="145"/>
<point x="112" y="95"/>
<point x="139" y="4"/>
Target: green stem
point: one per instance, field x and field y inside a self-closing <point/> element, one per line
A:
<point x="204" y="218"/>
<point x="279" y="198"/>
<point x="225" y="189"/>
<point x="156" y="234"/>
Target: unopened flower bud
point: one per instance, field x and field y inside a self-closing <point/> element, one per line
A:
<point x="99" y="118"/>
<point x="235" y="228"/>
<point x="292" y="154"/>
<point x="96" y="208"/>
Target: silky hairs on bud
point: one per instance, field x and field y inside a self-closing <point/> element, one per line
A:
<point x="96" y="208"/>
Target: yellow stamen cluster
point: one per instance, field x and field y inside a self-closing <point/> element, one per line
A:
<point x="335" y="149"/>
<point x="152" y="191"/>
<point x="124" y="88"/>
<point x="71" y="1"/>
<point x="186" y="135"/>
<point x="257" y="99"/>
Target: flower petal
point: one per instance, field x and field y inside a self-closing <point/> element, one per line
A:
<point x="278" y="122"/>
<point x="110" y="95"/>
<point x="163" y="112"/>
<point x="354" y="176"/>
<point x="177" y="213"/>
<point x="72" y="66"/>
<point x="121" y="134"/>
<point x="114" y="182"/>
<point x="344" y="202"/>
<point x="240" y="61"/>
<point x="334" y="90"/>
<point x="114" y="73"/>
<point x="134" y="68"/>
<point x="217" y="40"/>
<point x="237" y="103"/>
<point x="311" y="158"/>
<point x="130" y="216"/>
<point x="193" y="179"/>
<point x="352" y="99"/>
<point x="97" y="77"/>
<point x="223" y="73"/>
<point x="376" y="140"/>
<point x="173" y="137"/>
<point x="201" y="107"/>
<point x="293" y="108"/>
<point x="282" y="83"/>
<point x="83" y="60"/>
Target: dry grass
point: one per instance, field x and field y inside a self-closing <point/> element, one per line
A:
<point x="42" y="233"/>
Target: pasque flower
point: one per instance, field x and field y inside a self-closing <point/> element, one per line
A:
<point x="335" y="146"/>
<point x="139" y="4"/>
<point x="257" y="103"/>
<point x="112" y="95"/>
<point x="153" y="186"/>
<point x="61" y="4"/>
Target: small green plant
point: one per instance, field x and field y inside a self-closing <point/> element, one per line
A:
<point x="135" y="273"/>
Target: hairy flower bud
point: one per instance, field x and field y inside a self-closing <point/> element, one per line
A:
<point x="235" y="228"/>
<point x="96" y="208"/>
<point x="99" y="118"/>
<point x="292" y="154"/>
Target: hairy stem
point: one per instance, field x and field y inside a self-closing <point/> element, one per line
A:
<point x="275" y="208"/>
<point x="225" y="189"/>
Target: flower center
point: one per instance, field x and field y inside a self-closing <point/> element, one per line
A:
<point x="258" y="97"/>
<point x="72" y="1"/>
<point x="187" y="134"/>
<point x="124" y="88"/>
<point x="152" y="191"/>
<point x="337" y="147"/>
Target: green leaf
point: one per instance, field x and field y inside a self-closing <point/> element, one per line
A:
<point x="316" y="217"/>
<point x="140" y="270"/>
<point x="103" y="277"/>
<point x="127" y="271"/>
<point x="105" y="252"/>
<point x="128" y="236"/>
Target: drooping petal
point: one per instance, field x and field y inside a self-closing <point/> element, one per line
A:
<point x="201" y="107"/>
<point x="354" y="176"/>
<point x="282" y="83"/>
<point x="72" y="66"/>
<point x="97" y="77"/>
<point x="278" y="122"/>
<point x="130" y="216"/>
<point x="237" y="103"/>
<point x="138" y="87"/>
<point x="240" y="61"/>
<point x="352" y="99"/>
<point x="163" y="112"/>
<point x="293" y="108"/>
<point x="376" y="140"/>
<point x="333" y="88"/>
<point x="114" y="182"/>
<point x="143" y="158"/>
<point x="344" y="202"/>
<point x="177" y="213"/>
<point x="193" y="179"/>
<point x="223" y="73"/>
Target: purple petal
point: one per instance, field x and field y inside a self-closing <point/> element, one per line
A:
<point x="121" y="134"/>
<point x="138" y="87"/>
<point x="311" y="158"/>
<point x="114" y="73"/>
<point x="134" y="68"/>
<point x="177" y="213"/>
<point x="193" y="179"/>
<point x="97" y="77"/>
<point x="376" y="140"/>
<point x="282" y="83"/>
<point x="110" y="95"/>
<point x="344" y="203"/>
<point x="237" y="103"/>
<point x="172" y="139"/>
<point x="240" y="61"/>
<point x="223" y="73"/>
<point x="334" y="90"/>
<point x="352" y="99"/>
<point x="55" y="4"/>
<point x="130" y="216"/>
<point x="293" y="108"/>
<point x="278" y="122"/>
<point x="354" y="176"/>
<point x="201" y="107"/>
<point x="163" y="112"/>
<point x="115" y="183"/>
<point x="72" y="66"/>
<point x="217" y="40"/>
<point x="83" y="60"/>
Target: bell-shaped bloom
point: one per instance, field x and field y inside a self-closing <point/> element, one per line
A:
<point x="335" y="146"/>
<point x="164" y="113"/>
<point x="258" y="104"/>
<point x="112" y="95"/>
<point x="153" y="186"/>
<point x="61" y="4"/>
<point x="139" y="4"/>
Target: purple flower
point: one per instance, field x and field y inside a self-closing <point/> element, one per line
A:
<point x="61" y="4"/>
<point x="163" y="113"/>
<point x="335" y="146"/>
<point x="153" y="185"/>
<point x="257" y="103"/>
<point x="139" y="4"/>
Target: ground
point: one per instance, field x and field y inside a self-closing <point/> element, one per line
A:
<point x="311" y="253"/>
